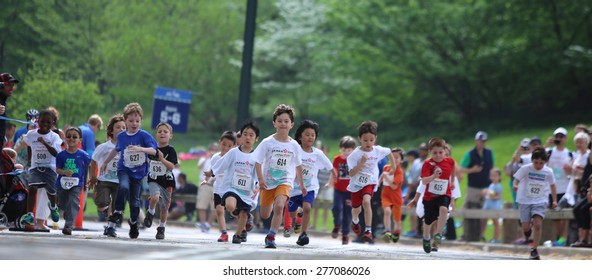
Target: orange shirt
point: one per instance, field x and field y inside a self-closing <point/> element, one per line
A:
<point x="396" y="194"/>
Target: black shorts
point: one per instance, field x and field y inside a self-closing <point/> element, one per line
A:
<point x="217" y="200"/>
<point x="432" y="208"/>
<point x="240" y="204"/>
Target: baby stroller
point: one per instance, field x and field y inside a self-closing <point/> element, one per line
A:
<point x="13" y="194"/>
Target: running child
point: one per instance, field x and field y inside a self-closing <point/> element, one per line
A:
<point x="71" y="165"/>
<point x="107" y="183"/>
<point x="438" y="174"/>
<point x="241" y="182"/>
<point x="227" y="141"/>
<point x="42" y="148"/>
<point x="363" y="164"/>
<point x="532" y="183"/>
<point x="277" y="161"/>
<point x="161" y="181"/>
<point x="392" y="196"/>
<point x="132" y="147"/>
<point x="339" y="180"/>
<point x="313" y="160"/>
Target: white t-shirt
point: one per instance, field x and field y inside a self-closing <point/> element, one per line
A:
<point x="278" y="161"/>
<point x="368" y="174"/>
<point x="40" y="156"/>
<point x="219" y="188"/>
<point x="100" y="155"/>
<point x="311" y="164"/>
<point x="241" y="177"/>
<point x="535" y="185"/>
<point x="205" y="163"/>
<point x="556" y="162"/>
<point x="579" y="162"/>
<point x="526" y="158"/>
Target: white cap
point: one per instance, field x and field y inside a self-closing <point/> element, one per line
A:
<point x="481" y="135"/>
<point x="525" y="143"/>
<point x="560" y="130"/>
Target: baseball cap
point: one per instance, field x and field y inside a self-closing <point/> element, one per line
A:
<point x="8" y="78"/>
<point x="535" y="140"/>
<point x="423" y="146"/>
<point x="481" y="135"/>
<point x="560" y="130"/>
<point x="525" y="143"/>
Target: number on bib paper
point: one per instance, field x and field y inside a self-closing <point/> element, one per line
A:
<point x="535" y="189"/>
<point x="131" y="159"/>
<point x="438" y="186"/>
<point x="42" y="157"/>
<point x="362" y="178"/>
<point x="280" y="161"/>
<point x="241" y="181"/>
<point x="157" y="168"/>
<point x="306" y="174"/>
<point x="69" y="182"/>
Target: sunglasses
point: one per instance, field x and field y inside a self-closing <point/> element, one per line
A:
<point x="72" y="136"/>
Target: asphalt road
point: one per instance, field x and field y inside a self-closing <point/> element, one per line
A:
<point x="185" y="243"/>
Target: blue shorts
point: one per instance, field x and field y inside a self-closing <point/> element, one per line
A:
<point x="296" y="201"/>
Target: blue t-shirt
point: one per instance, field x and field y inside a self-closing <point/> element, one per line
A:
<point x="77" y="162"/>
<point x="495" y="204"/>
<point x="19" y="132"/>
<point x="134" y="164"/>
<point x="88" y="139"/>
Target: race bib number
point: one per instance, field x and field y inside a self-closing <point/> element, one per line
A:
<point x="306" y="174"/>
<point x="42" y="157"/>
<point x="133" y="159"/>
<point x="69" y="182"/>
<point x="241" y="182"/>
<point x="157" y="168"/>
<point x="438" y="186"/>
<point x="361" y="179"/>
<point x="280" y="161"/>
<point x="535" y="189"/>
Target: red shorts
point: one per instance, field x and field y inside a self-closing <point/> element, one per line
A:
<point x="358" y="196"/>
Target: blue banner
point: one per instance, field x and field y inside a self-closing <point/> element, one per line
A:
<point x="171" y="106"/>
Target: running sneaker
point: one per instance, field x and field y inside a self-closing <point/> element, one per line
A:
<point x="249" y="225"/>
<point x="287" y="232"/>
<point x="345" y="239"/>
<point x="223" y="237"/>
<point x="55" y="213"/>
<point x="387" y="237"/>
<point x="27" y="220"/>
<point x="356" y="228"/>
<point x="67" y="231"/>
<point x="367" y="237"/>
<point x="236" y="239"/>
<point x="534" y="254"/>
<point x="270" y="241"/>
<point x="160" y="233"/>
<point x="438" y="238"/>
<point x="243" y="236"/>
<point x="297" y="228"/>
<point x="427" y="246"/>
<point x="115" y="218"/>
<point x="335" y="232"/>
<point x="133" y="232"/>
<point x="110" y="231"/>
<point x="395" y="237"/>
<point x="302" y="239"/>
<point x="561" y="242"/>
<point x="148" y="219"/>
<point x="435" y="246"/>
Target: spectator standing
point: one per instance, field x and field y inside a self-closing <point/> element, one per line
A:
<point x="7" y="82"/>
<point x="184" y="209"/>
<point x="477" y="163"/>
<point x="89" y="129"/>
<point x="560" y="161"/>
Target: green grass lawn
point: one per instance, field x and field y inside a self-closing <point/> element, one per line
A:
<point x="503" y="145"/>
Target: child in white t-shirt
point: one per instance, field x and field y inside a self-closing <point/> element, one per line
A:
<point x="532" y="183"/>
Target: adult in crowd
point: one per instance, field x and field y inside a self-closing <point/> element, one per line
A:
<point x="179" y="208"/>
<point x="7" y="82"/>
<point x="477" y="163"/>
<point x="560" y="161"/>
<point x="89" y="129"/>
